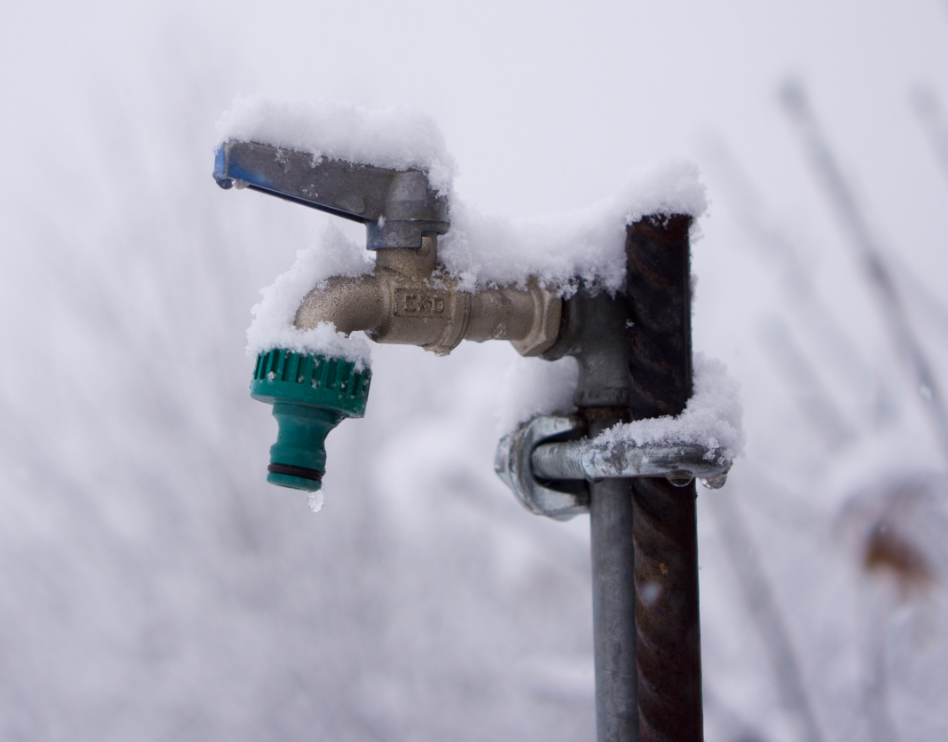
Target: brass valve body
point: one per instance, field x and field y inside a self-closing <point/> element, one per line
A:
<point x="409" y="300"/>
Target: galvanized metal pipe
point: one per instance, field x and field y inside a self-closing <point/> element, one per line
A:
<point x="613" y="589"/>
<point x="594" y="460"/>
<point x="595" y="333"/>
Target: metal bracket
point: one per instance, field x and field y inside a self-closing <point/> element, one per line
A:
<point x="512" y="464"/>
<point x="528" y="456"/>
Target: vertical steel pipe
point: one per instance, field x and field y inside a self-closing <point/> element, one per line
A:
<point x="610" y="516"/>
<point x="664" y="528"/>
<point x="594" y="332"/>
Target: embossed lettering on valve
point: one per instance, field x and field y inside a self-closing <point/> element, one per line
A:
<point x="418" y="303"/>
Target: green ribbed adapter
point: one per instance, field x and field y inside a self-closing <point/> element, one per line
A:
<point x="310" y="395"/>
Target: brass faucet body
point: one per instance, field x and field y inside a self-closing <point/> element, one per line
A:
<point x="409" y="299"/>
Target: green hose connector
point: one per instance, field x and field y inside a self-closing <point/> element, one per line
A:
<point x="310" y="395"/>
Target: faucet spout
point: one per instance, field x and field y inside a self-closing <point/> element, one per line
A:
<point x="350" y="304"/>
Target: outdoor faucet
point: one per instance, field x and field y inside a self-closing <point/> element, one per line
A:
<point x="409" y="298"/>
<point x="633" y="349"/>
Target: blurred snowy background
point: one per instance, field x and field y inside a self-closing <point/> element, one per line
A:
<point x="153" y="587"/>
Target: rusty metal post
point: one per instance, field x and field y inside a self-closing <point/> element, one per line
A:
<point x="634" y="355"/>
<point x="668" y="644"/>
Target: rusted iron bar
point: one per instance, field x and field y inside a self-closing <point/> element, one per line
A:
<point x="664" y="531"/>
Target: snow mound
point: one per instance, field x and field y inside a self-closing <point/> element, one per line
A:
<point x="272" y="327"/>
<point x="587" y="245"/>
<point x="712" y="418"/>
<point x="398" y="138"/>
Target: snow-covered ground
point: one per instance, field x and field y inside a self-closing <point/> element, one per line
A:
<point x="154" y="587"/>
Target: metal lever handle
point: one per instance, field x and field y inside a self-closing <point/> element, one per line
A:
<point x="397" y="207"/>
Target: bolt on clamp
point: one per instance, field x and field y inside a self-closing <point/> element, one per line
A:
<point x="544" y="463"/>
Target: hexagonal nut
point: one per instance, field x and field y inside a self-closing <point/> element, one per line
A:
<point x="547" y="311"/>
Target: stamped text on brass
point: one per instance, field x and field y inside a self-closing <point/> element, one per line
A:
<point x="418" y="303"/>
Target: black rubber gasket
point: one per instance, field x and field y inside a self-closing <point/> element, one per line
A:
<point x="296" y="471"/>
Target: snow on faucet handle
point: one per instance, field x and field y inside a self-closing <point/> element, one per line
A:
<point x="396" y="138"/>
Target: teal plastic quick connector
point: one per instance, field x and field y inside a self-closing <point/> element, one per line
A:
<point x="310" y="395"/>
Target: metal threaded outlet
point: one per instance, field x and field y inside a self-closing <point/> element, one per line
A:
<point x="310" y="395"/>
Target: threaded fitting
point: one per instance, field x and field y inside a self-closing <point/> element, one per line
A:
<point x="310" y="395"/>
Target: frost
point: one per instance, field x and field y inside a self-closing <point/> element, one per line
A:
<point x="272" y="327"/>
<point x="712" y="418"/>
<point x="316" y="501"/>
<point x="398" y="137"/>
